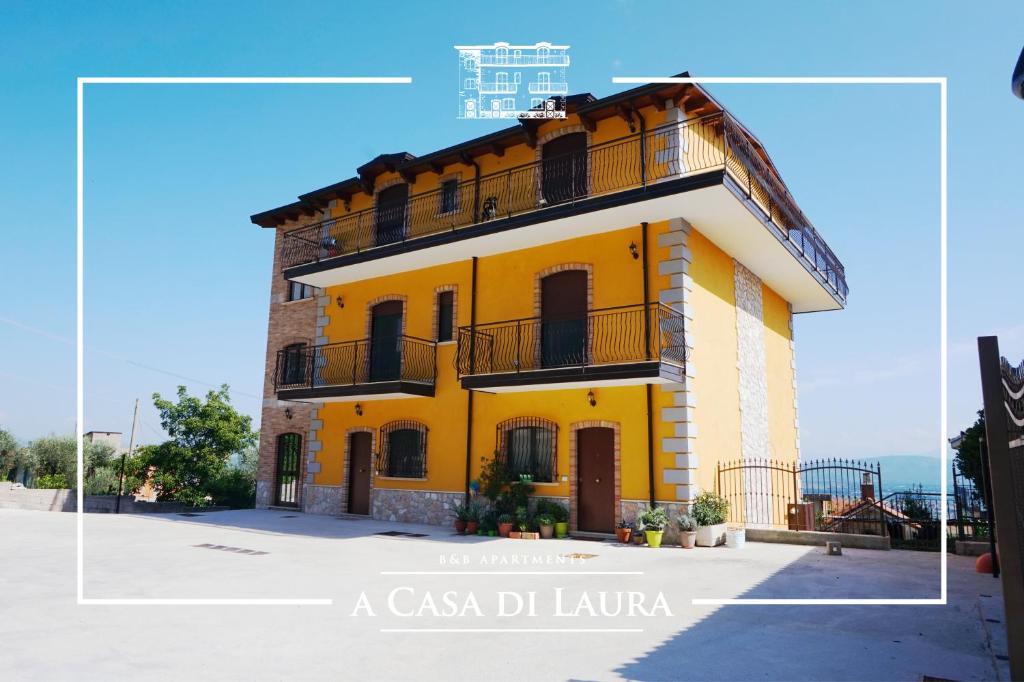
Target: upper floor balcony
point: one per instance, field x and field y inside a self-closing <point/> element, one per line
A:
<point x="620" y="346"/>
<point x="547" y="88"/>
<point x="380" y="367"/>
<point x="498" y="88"/>
<point x="705" y="170"/>
<point x="524" y="59"/>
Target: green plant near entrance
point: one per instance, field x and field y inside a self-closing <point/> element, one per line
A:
<point x="710" y="509"/>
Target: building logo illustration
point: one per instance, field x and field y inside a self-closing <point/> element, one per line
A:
<point x="512" y="81"/>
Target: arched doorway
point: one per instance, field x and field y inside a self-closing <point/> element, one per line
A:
<point x="595" y="479"/>
<point x="386" y="341"/>
<point x="289" y="452"/>
<point x="360" y="444"/>
<point x="563" y="326"/>
<point x="564" y="168"/>
<point x="390" y="214"/>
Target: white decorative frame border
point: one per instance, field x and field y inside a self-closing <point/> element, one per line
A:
<point x="940" y="81"/>
<point x="82" y="600"/>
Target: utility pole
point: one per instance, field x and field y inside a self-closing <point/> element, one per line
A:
<point x="131" y="448"/>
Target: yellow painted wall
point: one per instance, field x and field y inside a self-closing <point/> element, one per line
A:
<point x="714" y="356"/>
<point x="779" y="369"/>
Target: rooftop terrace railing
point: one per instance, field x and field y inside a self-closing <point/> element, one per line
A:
<point x="710" y="143"/>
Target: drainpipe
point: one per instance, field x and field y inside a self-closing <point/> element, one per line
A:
<point x="472" y="365"/>
<point x="647" y="351"/>
<point x="469" y="160"/>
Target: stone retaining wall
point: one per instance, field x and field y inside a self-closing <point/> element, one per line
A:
<point x="415" y="506"/>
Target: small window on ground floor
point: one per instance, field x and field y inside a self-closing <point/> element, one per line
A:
<point x="403" y="451"/>
<point x="527" y="445"/>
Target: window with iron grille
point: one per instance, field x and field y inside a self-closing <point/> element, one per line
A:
<point x="445" y="315"/>
<point x="449" y="196"/>
<point x="527" y="445"/>
<point x="293" y="364"/>
<point x="403" y="450"/>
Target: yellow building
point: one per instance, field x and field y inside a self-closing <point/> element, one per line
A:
<point x="605" y="301"/>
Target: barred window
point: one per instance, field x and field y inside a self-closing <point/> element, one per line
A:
<point x="403" y="450"/>
<point x="528" y="446"/>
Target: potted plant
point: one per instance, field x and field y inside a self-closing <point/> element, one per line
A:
<point x="710" y="510"/>
<point x="546" y="523"/>
<point x="637" y="533"/>
<point x="461" y="514"/>
<point x="623" y="530"/>
<point x="561" y="516"/>
<point x="654" y="521"/>
<point x="687" y="526"/>
<point x="505" y="522"/>
<point x="472" y="519"/>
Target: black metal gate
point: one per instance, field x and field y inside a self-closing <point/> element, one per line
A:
<point x="827" y="495"/>
<point x="1002" y="388"/>
<point x="289" y="451"/>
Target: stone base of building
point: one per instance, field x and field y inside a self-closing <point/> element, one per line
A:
<point x="631" y="509"/>
<point x="415" y="506"/>
<point x="263" y="494"/>
<point x="322" y="499"/>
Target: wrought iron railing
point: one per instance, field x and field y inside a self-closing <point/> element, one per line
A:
<point x="624" y="334"/>
<point x="698" y="145"/>
<point x="366" y="361"/>
<point x="826" y="495"/>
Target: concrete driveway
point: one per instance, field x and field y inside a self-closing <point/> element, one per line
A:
<point x="440" y="606"/>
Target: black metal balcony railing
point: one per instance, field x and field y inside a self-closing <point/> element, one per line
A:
<point x="350" y="363"/>
<point x="699" y="145"/>
<point x="624" y="334"/>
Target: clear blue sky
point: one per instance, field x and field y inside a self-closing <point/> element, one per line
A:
<point x="177" y="278"/>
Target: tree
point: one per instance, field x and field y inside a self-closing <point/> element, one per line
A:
<point x="205" y="435"/>
<point x="55" y="457"/>
<point x="12" y="455"/>
<point x="968" y="454"/>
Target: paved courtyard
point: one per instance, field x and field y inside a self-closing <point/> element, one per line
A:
<point x="467" y="607"/>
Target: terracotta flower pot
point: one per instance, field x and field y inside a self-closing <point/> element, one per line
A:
<point x="471" y="527"/>
<point x="504" y="529"/>
<point x="514" y="534"/>
<point x="547" y="532"/>
<point x="530" y="535"/>
<point x="687" y="538"/>
<point x="638" y="539"/>
<point x="623" y="535"/>
<point x="460" y="527"/>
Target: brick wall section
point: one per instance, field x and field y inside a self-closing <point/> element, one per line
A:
<point x="288" y="322"/>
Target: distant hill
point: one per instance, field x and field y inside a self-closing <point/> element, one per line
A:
<point x="902" y="472"/>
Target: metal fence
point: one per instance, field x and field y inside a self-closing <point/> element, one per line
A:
<point x="706" y="143"/>
<point x="401" y="358"/>
<point x="623" y="334"/>
<point x="827" y="495"/>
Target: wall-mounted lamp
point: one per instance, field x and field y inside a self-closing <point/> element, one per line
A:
<point x="591" y="398"/>
<point x="633" y="250"/>
<point x="288" y="413"/>
<point x="359" y="410"/>
<point x="340" y="301"/>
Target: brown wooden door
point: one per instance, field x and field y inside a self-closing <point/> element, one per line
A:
<point x="359" y="473"/>
<point x="386" y="341"/>
<point x="390" y="214"/>
<point x="595" y="480"/>
<point x="563" y="327"/>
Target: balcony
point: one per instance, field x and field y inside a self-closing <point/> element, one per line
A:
<point x="704" y="170"/>
<point x="621" y="346"/>
<point x="367" y="369"/>
<point x="524" y="60"/>
<point x="498" y="88"/>
<point x="548" y="88"/>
